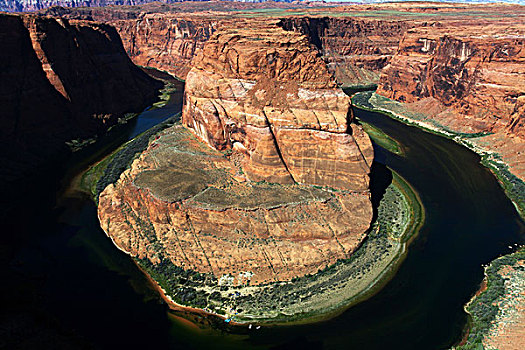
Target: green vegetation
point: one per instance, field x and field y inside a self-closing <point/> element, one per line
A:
<point x="165" y="94"/>
<point x="484" y="309"/>
<point x="309" y="297"/>
<point x="178" y="283"/>
<point x="514" y="187"/>
<point x="373" y="102"/>
<point x="382" y="139"/>
<point x="108" y="170"/>
<point x="353" y="89"/>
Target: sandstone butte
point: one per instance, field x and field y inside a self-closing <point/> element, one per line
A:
<point x="61" y="79"/>
<point x="267" y="178"/>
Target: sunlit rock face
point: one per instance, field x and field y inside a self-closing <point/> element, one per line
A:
<point x="477" y="71"/>
<point x="266" y="178"/>
<point x="266" y="94"/>
<point x="467" y="78"/>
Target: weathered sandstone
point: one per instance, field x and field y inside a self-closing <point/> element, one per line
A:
<point x="468" y="80"/>
<point x="182" y="201"/>
<point x="477" y="72"/>
<point x="164" y="41"/>
<point x="231" y="192"/>
<point x="355" y="49"/>
<point x="274" y="103"/>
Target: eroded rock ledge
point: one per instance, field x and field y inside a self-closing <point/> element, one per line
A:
<point x="266" y="181"/>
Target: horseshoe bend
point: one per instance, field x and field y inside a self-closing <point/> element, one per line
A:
<point x="205" y="173"/>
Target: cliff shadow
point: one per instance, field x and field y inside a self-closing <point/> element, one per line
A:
<point x="380" y="178"/>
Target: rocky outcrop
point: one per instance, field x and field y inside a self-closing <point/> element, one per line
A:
<point x="477" y="72"/>
<point x="238" y="201"/>
<point x="356" y="49"/>
<point x="275" y="104"/>
<point x="183" y="202"/>
<point x="61" y="80"/>
<point x="466" y="80"/>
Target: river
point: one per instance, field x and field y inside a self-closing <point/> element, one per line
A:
<point x="65" y="284"/>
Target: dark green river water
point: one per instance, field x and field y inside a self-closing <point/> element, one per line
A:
<point x="64" y="285"/>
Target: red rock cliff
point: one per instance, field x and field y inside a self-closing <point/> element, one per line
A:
<point x="478" y="72"/>
<point x="466" y="79"/>
<point x="267" y="94"/>
<point x="356" y="49"/>
<point x="165" y="41"/>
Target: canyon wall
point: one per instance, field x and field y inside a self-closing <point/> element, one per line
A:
<point x="267" y="178"/>
<point x="478" y="72"/>
<point x="163" y="41"/>
<point x="61" y="80"/>
<point x="355" y="49"/>
<point x="468" y="80"/>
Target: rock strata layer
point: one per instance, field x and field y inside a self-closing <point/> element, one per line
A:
<point x="477" y="73"/>
<point x="231" y="193"/>
<point x="355" y="49"/>
<point x="469" y="81"/>
<point x="273" y="102"/>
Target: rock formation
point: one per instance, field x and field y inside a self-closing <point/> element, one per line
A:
<point x="277" y="107"/>
<point x="468" y="80"/>
<point x="165" y="41"/>
<point x="476" y="72"/>
<point x="356" y="49"/>
<point x="167" y="38"/>
<point x="61" y="80"/>
<point x="238" y="200"/>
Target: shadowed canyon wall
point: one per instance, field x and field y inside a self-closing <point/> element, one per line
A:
<point x="355" y="49"/>
<point x="61" y="80"/>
